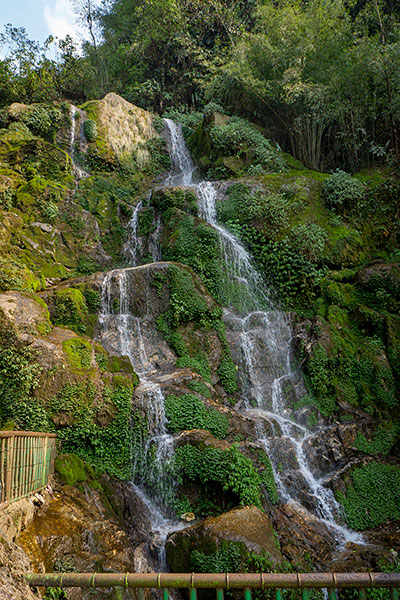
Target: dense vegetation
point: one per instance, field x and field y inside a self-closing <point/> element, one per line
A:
<point x="321" y="75"/>
<point x="270" y="95"/>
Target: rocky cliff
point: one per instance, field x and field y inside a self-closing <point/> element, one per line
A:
<point x="138" y="328"/>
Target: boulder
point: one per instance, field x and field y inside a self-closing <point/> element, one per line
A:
<point x="123" y="129"/>
<point x="247" y="526"/>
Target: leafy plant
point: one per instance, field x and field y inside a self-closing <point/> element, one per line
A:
<point x="341" y="190"/>
<point x="90" y="130"/>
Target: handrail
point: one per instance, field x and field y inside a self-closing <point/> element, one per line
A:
<point x="26" y="463"/>
<point x="7" y="434"/>
<point x="216" y="580"/>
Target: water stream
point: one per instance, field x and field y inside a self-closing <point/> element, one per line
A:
<point x="264" y="335"/>
<point x="150" y="469"/>
<point x="74" y="111"/>
<point x="265" y="327"/>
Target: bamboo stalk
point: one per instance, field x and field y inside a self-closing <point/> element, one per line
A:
<point x="216" y="580"/>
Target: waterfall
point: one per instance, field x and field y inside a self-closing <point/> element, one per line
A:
<point x="264" y="333"/>
<point x="78" y="172"/>
<point x="150" y="469"/>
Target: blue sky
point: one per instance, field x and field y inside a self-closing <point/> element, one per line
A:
<point x="40" y="18"/>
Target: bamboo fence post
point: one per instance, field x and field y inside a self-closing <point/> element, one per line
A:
<point x="44" y="462"/>
<point x="9" y="461"/>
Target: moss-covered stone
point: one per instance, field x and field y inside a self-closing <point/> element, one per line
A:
<point x="78" y="353"/>
<point x="70" y="468"/>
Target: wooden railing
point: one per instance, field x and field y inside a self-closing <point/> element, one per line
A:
<point x="26" y="463"/>
<point x="275" y="585"/>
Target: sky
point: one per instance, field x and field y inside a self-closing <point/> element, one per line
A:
<point x="40" y="18"/>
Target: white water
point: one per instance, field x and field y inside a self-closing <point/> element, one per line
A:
<point x="78" y="172"/>
<point x="260" y="326"/>
<point x="150" y="471"/>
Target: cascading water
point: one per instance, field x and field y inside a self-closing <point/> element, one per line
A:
<point x="151" y="470"/>
<point x="265" y="328"/>
<point x="78" y="172"/>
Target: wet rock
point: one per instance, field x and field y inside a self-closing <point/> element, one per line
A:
<point x="378" y="270"/>
<point x="247" y="526"/>
<point x="15" y="517"/>
<point x="360" y="557"/>
<point x="77" y="530"/>
<point x="202" y="438"/>
<point x="303" y="538"/>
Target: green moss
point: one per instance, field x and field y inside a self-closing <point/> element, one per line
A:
<point x="78" y="352"/>
<point x="71" y="468"/>
<point x="119" y="364"/>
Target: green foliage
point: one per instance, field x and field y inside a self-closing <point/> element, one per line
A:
<point x="383" y="439"/>
<point x="90" y="130"/>
<point x="226" y="559"/>
<point x="373" y="496"/>
<point x="230" y="468"/>
<point x="19" y="377"/>
<point x="145" y="223"/>
<point x="319" y="380"/>
<point x="70" y="309"/>
<point x="53" y="593"/>
<point x="241" y="139"/>
<point x="267" y="477"/>
<point x="188" y="412"/>
<point x="342" y="191"/>
<point x="196" y="244"/>
<point x="92" y="298"/>
<point x="200" y="387"/>
<point x="187" y="305"/>
<point x="309" y="241"/>
<point x="42" y="120"/>
<point x="227" y="373"/>
<point x="105" y="447"/>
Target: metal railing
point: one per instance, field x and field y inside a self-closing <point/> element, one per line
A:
<point x="279" y="582"/>
<point x="26" y="463"/>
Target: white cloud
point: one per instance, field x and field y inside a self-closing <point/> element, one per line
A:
<point x="60" y="19"/>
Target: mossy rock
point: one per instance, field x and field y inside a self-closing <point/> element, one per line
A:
<point x="72" y="469"/>
<point x="78" y="353"/>
<point x="119" y="364"/>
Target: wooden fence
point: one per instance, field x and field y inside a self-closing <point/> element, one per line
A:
<point x="26" y="463"/>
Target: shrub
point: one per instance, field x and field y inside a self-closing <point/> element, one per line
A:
<point x="239" y="138"/>
<point x="309" y="241"/>
<point x="188" y="412"/>
<point x="90" y="130"/>
<point x="373" y="496"/>
<point x="341" y="190"/>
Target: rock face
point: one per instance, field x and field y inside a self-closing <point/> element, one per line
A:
<point x="14" y="564"/>
<point x="123" y="129"/>
<point x="248" y="526"/>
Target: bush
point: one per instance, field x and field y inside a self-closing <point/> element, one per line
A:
<point x="239" y="138"/>
<point x="90" y="130"/>
<point x="309" y="241"/>
<point x="42" y="120"/>
<point x="341" y="190"/>
<point x="188" y="412"/>
<point x="373" y="496"/>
